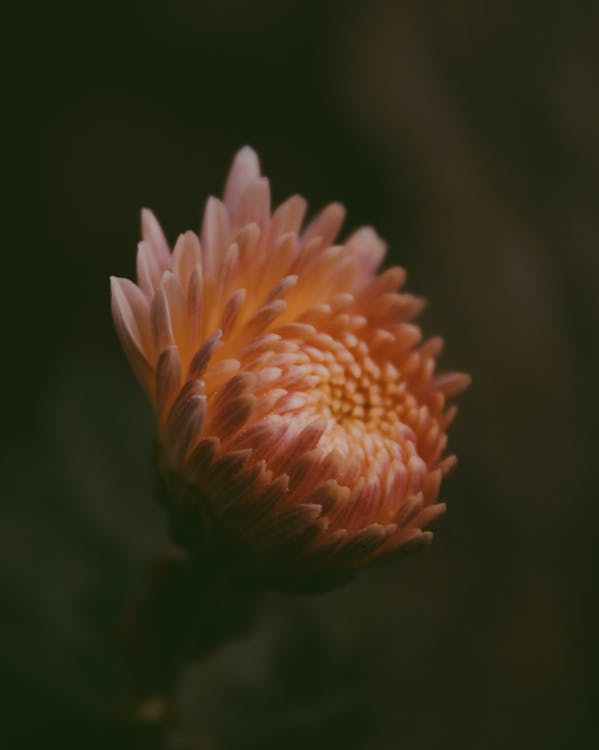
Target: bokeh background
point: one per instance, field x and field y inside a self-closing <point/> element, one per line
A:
<point x="468" y="134"/>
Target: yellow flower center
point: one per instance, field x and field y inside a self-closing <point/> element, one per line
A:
<point x="358" y="395"/>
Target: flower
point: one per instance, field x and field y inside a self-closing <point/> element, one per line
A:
<point x="299" y="413"/>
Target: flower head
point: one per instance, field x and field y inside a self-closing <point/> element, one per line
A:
<point x="299" y="413"/>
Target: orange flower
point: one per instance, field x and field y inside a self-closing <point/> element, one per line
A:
<point x="299" y="414"/>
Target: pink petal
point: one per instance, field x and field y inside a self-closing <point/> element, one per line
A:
<point x="231" y="311"/>
<point x="168" y="380"/>
<point x="288" y="217"/>
<point x="152" y="233"/>
<point x="134" y="313"/>
<point x="177" y="308"/>
<point x="160" y="316"/>
<point x="254" y="206"/>
<point x="186" y="254"/>
<point x="129" y="334"/>
<point x="200" y="360"/>
<point x="326" y="225"/>
<point x="195" y="302"/>
<point x="363" y="544"/>
<point x="185" y="421"/>
<point x="201" y="458"/>
<point x="452" y="383"/>
<point x="368" y="248"/>
<point x="230" y="417"/>
<point x="264" y="317"/>
<point x="148" y="269"/>
<point x="215" y="234"/>
<point x="245" y="169"/>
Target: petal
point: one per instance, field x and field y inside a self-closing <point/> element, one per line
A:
<point x="263" y="318"/>
<point x="218" y="373"/>
<point x="195" y="303"/>
<point x="288" y="217"/>
<point x="148" y="268"/>
<point x="223" y="473"/>
<point x="239" y="385"/>
<point x="201" y="459"/>
<point x="130" y="337"/>
<point x="252" y="508"/>
<point x="231" y="416"/>
<point x="254" y="206"/>
<point x="200" y="360"/>
<point x="328" y="495"/>
<point x="185" y="421"/>
<point x="363" y="544"/>
<point x="369" y="250"/>
<point x="177" y="309"/>
<point x="452" y="383"/>
<point x="326" y="225"/>
<point x="186" y="255"/>
<point x="232" y="310"/>
<point x="131" y="309"/>
<point x="409" y="509"/>
<point x="215" y="235"/>
<point x="168" y="380"/>
<point x="428" y="515"/>
<point x="307" y="439"/>
<point x="281" y="527"/>
<point x="244" y="170"/>
<point x="152" y="233"/>
<point x="404" y="543"/>
<point x="160" y="316"/>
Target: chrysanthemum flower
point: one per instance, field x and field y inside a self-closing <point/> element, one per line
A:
<point x="299" y="413"/>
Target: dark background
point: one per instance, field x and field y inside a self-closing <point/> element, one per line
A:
<point x="468" y="134"/>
